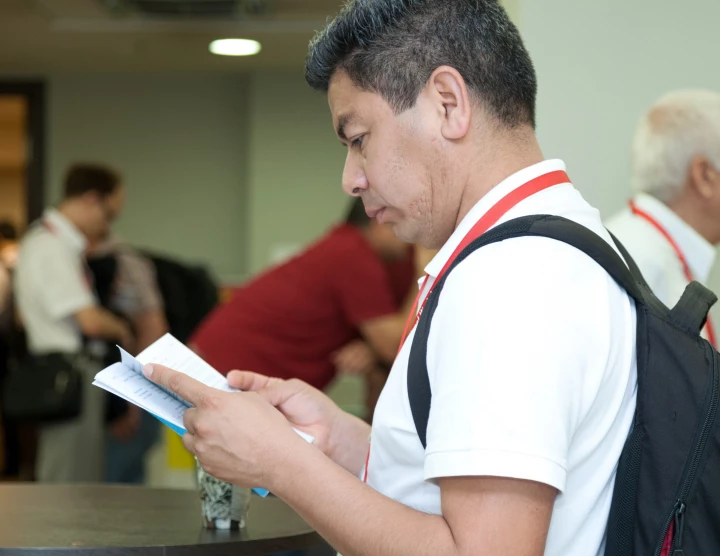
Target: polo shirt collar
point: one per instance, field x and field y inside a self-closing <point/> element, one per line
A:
<point x="65" y="230"/>
<point x="699" y="252"/>
<point x="484" y="205"/>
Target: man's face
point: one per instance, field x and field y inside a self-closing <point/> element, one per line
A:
<point x="102" y="212"/>
<point x="396" y="163"/>
<point x="702" y="185"/>
<point x="713" y="178"/>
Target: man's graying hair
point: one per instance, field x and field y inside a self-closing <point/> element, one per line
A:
<point x="682" y="125"/>
<point x="392" y="47"/>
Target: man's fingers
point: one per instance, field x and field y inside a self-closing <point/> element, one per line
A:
<point x="187" y="388"/>
<point x="277" y="392"/>
<point x="189" y="420"/>
<point x="248" y="381"/>
<point x="188" y="441"/>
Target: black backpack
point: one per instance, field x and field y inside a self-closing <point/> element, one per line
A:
<point x="668" y="479"/>
<point x="189" y="292"/>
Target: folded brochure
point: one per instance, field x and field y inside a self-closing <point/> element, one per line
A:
<point x="125" y="379"/>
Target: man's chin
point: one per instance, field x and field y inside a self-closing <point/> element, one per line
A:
<point x="404" y="233"/>
<point x="417" y="237"/>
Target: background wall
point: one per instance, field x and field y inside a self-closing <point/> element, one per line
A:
<point x="180" y="142"/>
<point x="233" y="171"/>
<point x="295" y="166"/>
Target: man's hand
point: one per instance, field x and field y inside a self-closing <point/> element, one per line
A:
<point x="241" y="437"/>
<point x="339" y="435"/>
<point x="355" y="358"/>
<point x="97" y="322"/>
<point x="237" y="437"/>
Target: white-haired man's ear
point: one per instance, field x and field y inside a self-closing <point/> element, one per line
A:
<point x="704" y="177"/>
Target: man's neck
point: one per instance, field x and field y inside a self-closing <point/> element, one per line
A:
<point x="510" y="156"/>
<point x="697" y="219"/>
<point x="73" y="213"/>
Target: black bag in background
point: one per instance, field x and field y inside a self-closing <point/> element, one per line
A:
<point x="666" y="499"/>
<point x="189" y="293"/>
<point x="48" y="388"/>
<point x="45" y="389"/>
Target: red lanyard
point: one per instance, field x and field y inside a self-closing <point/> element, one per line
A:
<point x="710" y="329"/>
<point x="546" y="181"/>
<point x="488" y="220"/>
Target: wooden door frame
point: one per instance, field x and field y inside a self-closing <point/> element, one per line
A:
<point x="34" y="93"/>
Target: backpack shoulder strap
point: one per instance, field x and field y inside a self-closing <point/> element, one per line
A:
<point x="691" y="312"/>
<point x="627" y="276"/>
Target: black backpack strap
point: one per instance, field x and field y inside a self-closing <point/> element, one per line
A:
<point x="632" y="265"/>
<point x="691" y="312"/>
<point x="418" y="380"/>
<point x="627" y="277"/>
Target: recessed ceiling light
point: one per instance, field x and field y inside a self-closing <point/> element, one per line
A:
<point x="235" y="47"/>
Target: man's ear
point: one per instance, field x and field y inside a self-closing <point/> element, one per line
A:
<point x="704" y="178"/>
<point x="447" y="91"/>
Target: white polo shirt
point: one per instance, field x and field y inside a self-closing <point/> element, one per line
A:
<point x="532" y="368"/>
<point x="51" y="284"/>
<point x="653" y="253"/>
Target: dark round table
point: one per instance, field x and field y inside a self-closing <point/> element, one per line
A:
<point x="120" y="520"/>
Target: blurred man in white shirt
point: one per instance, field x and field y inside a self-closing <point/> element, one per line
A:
<point x="58" y="307"/>
<point x="672" y="226"/>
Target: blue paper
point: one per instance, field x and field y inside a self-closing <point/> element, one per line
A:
<point x="181" y="431"/>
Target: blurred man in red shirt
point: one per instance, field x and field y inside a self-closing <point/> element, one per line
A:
<point x="303" y="319"/>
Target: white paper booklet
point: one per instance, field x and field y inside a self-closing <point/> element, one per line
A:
<point x="125" y="379"/>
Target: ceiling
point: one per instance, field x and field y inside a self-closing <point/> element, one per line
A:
<point x="61" y="36"/>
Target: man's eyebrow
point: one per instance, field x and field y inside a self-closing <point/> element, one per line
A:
<point x="343" y="122"/>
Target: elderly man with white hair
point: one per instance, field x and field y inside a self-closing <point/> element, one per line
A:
<point x="672" y="225"/>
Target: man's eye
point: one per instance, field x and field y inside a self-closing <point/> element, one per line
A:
<point x="357" y="143"/>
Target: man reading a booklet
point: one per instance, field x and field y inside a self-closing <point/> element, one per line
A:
<point x="531" y="354"/>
